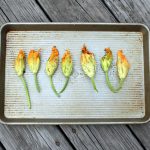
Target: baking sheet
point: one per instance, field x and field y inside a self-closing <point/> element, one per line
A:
<point x="79" y="99"/>
<point x="79" y="103"/>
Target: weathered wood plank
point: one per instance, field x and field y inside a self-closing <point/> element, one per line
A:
<point x="142" y="132"/>
<point x="106" y="137"/>
<point x="53" y="137"/>
<point x="96" y="10"/>
<point x="3" y="18"/>
<point x="23" y="11"/>
<point x="115" y="137"/>
<point x="130" y="10"/>
<point x="81" y="137"/>
<point x="2" y="147"/>
<point x="21" y="137"/>
<point x="64" y="11"/>
<point x="7" y="12"/>
<point x="33" y="137"/>
<point x="76" y="11"/>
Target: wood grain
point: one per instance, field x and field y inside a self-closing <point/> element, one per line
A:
<point x="3" y="18"/>
<point x="23" y="11"/>
<point x="6" y="12"/>
<point x="96" y="10"/>
<point x="64" y="11"/>
<point x="81" y="138"/>
<point x="21" y="137"/>
<point x="106" y="137"/>
<point x="130" y="10"/>
<point x="33" y="137"/>
<point x="76" y="11"/>
<point x="53" y="137"/>
<point x="115" y="137"/>
<point x="142" y="133"/>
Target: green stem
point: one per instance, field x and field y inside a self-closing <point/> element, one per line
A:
<point x="53" y="87"/>
<point x="94" y="85"/>
<point x="109" y="84"/>
<point x="120" y="85"/>
<point x="27" y="91"/>
<point x="114" y="90"/>
<point x="65" y="85"/>
<point x="36" y="82"/>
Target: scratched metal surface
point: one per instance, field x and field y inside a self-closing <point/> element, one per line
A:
<point x="79" y="99"/>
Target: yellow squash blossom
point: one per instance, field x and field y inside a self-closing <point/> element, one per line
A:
<point x="20" y="63"/>
<point x="34" y="64"/>
<point x="20" y="69"/>
<point x="106" y="60"/>
<point x="51" y="66"/>
<point x="66" y="66"/>
<point x="34" y="61"/>
<point x="52" y="62"/>
<point x="122" y="65"/>
<point x="88" y="64"/>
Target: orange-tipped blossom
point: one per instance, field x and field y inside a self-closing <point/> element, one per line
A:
<point x="108" y="52"/>
<point x="34" y="64"/>
<point x="88" y="62"/>
<point x="66" y="66"/>
<point x="122" y="65"/>
<point x="52" y="62"/>
<point x="67" y="63"/>
<point x="54" y="55"/>
<point x="34" y="60"/>
<point x="20" y="63"/>
<point x="106" y="60"/>
<point x="51" y="66"/>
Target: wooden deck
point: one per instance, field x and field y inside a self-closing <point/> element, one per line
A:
<point x="68" y="137"/>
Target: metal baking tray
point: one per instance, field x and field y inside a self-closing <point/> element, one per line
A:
<point x="79" y="104"/>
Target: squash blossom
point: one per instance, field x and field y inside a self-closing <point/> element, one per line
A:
<point x="88" y="64"/>
<point x="52" y="62"/>
<point x="106" y="60"/>
<point x="51" y="66"/>
<point x="122" y="65"/>
<point x="20" y="63"/>
<point x="66" y="66"/>
<point x="20" y="69"/>
<point x="34" y="64"/>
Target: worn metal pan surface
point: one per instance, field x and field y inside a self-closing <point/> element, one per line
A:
<point x="79" y="104"/>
